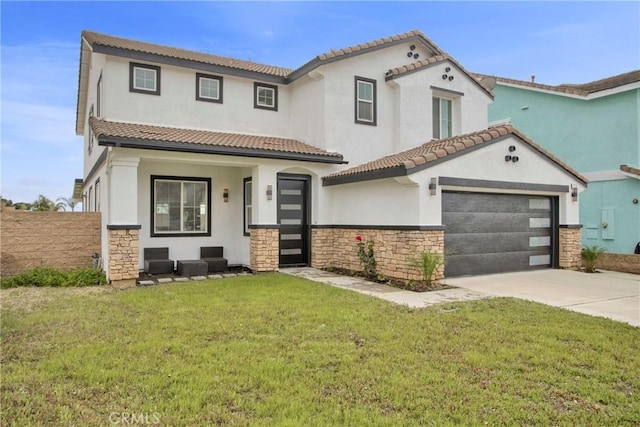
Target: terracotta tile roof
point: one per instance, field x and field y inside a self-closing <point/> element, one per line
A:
<point x="171" y="52"/>
<point x="575" y="89"/>
<point x="629" y="169"/>
<point x="419" y="157"/>
<point x="178" y="138"/>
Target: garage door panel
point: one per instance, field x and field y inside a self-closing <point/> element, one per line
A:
<point x="478" y="243"/>
<point x="467" y="265"/>
<point x="491" y="233"/>
<point x="497" y="203"/>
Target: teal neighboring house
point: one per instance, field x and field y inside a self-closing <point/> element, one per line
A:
<point x="595" y="128"/>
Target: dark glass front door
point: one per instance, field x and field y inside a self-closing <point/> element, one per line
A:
<point x="293" y="219"/>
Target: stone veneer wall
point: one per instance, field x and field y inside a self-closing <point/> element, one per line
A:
<point x="124" y="255"/>
<point x="62" y="240"/>
<point x="570" y="247"/>
<point x="337" y="247"/>
<point x="626" y="263"/>
<point x="264" y="249"/>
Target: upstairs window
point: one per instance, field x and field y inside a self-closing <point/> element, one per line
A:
<point x="365" y="101"/>
<point x="208" y="88"/>
<point x="90" y="141"/>
<point x="144" y="78"/>
<point x="265" y="96"/>
<point x="180" y="206"/>
<point x="442" y="118"/>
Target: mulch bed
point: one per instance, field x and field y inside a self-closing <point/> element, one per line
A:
<point x="407" y="285"/>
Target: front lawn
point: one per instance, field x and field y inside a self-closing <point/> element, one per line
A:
<point x="279" y="350"/>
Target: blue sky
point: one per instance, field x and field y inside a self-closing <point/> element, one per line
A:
<point x="559" y="42"/>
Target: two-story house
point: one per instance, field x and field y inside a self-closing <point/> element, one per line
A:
<point x="595" y="128"/>
<point x="388" y="140"/>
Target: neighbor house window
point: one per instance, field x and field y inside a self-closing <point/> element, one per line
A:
<point x="144" y="78"/>
<point x="365" y="101"/>
<point x="90" y="141"/>
<point x="265" y="96"/>
<point x="90" y="199"/>
<point x="99" y="97"/>
<point x="97" y="196"/>
<point x="180" y="206"/>
<point x="247" y="205"/>
<point x="208" y="88"/>
<point x="442" y="118"/>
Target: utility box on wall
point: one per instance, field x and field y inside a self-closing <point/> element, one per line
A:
<point x="608" y="224"/>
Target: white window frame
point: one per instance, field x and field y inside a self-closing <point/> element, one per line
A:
<point x="206" y="77"/>
<point x="372" y="103"/>
<point x="181" y="232"/>
<point x="133" y="87"/>
<point x="248" y="204"/>
<point x="437" y="117"/>
<point x="257" y="103"/>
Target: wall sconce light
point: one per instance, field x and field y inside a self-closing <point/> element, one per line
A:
<point x="433" y="186"/>
<point x="512" y="148"/>
<point x="574" y="193"/>
<point x="515" y="159"/>
<point x="269" y="192"/>
<point x="507" y="158"/>
<point x="225" y="195"/>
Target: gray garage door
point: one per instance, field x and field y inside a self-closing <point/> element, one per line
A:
<point x="495" y="233"/>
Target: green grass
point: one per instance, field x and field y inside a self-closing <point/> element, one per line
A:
<point x="279" y="350"/>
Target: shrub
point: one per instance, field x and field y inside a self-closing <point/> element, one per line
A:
<point x="366" y="256"/>
<point x="427" y="263"/>
<point x="47" y="276"/>
<point x="590" y="255"/>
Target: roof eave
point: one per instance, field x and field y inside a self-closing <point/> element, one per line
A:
<point x="185" y="147"/>
<point x="83" y="85"/>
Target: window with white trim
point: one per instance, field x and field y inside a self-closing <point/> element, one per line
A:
<point x="365" y="101"/>
<point x="248" y="188"/>
<point x="265" y="96"/>
<point x="180" y="206"/>
<point x="99" y="97"/>
<point x="97" y="197"/>
<point x="144" y="78"/>
<point x="90" y="141"/>
<point x="208" y="88"/>
<point x="442" y="118"/>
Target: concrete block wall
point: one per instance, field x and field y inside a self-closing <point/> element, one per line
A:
<point x="337" y="247"/>
<point x="63" y="240"/>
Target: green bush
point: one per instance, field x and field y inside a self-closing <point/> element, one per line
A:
<point x="590" y="255"/>
<point x="427" y="263"/>
<point x="47" y="276"/>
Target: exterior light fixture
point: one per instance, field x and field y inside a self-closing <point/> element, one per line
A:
<point x="433" y="186"/>
<point x="507" y="158"/>
<point x="269" y="192"/>
<point x="225" y="195"/>
<point x="574" y="193"/>
<point x="515" y="159"/>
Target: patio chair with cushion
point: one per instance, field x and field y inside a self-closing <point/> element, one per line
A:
<point x="156" y="261"/>
<point x="213" y="255"/>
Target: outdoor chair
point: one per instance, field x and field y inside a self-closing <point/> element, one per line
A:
<point x="213" y="255"/>
<point x="156" y="261"/>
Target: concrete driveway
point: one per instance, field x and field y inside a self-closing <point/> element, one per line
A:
<point x="606" y="294"/>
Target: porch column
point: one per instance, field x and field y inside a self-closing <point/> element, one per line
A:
<point x="570" y="240"/>
<point x="264" y="248"/>
<point x="123" y="227"/>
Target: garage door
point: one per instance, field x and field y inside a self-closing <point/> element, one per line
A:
<point x="494" y="233"/>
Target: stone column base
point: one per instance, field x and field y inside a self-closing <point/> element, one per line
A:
<point x="570" y="241"/>
<point x="124" y="255"/>
<point x="264" y="248"/>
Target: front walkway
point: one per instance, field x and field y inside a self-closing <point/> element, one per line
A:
<point x="388" y="293"/>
